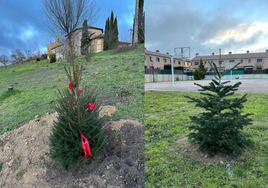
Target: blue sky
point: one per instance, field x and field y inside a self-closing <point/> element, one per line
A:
<point x="22" y="23"/>
<point x="205" y="26"/>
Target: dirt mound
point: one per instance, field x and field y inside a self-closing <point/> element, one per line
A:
<point x="24" y="153"/>
<point x="193" y="152"/>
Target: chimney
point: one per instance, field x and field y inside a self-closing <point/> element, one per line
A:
<point x="230" y="53"/>
<point x="213" y="53"/>
<point x="167" y="53"/>
<point x="197" y="54"/>
<point x="157" y="51"/>
<point x="247" y="51"/>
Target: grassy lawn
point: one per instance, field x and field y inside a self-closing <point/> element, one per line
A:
<point x="166" y="119"/>
<point x="118" y="77"/>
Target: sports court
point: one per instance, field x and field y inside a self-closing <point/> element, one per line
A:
<point x="247" y="86"/>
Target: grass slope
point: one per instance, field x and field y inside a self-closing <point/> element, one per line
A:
<point x="166" y="119"/>
<point x="118" y="77"/>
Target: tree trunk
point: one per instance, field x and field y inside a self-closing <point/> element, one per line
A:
<point x="135" y="40"/>
<point x="71" y="54"/>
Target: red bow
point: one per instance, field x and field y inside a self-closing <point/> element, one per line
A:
<point x="85" y="145"/>
<point x="91" y="106"/>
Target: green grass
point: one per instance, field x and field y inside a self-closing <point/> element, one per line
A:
<point x="166" y="120"/>
<point x="39" y="82"/>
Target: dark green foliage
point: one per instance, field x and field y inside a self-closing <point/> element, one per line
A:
<point x="219" y="128"/>
<point x="43" y="56"/>
<point x="111" y="33"/>
<point x="86" y="38"/>
<point x="202" y="69"/>
<point x="1" y="165"/>
<point x="52" y="58"/>
<point x="197" y="74"/>
<point x="266" y="71"/>
<point x="37" y="59"/>
<point x="179" y="68"/>
<point x="65" y="140"/>
<point x="167" y="67"/>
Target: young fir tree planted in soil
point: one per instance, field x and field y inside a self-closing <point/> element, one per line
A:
<point x="219" y="128"/>
<point x="77" y="134"/>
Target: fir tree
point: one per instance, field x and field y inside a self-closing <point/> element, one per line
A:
<point x="202" y="69"/>
<point x="78" y="120"/>
<point x="219" y="128"/>
<point x="197" y="74"/>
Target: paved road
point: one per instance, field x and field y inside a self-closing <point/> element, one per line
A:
<point x="247" y="86"/>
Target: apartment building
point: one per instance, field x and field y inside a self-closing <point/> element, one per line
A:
<point x="248" y="61"/>
<point x="157" y="59"/>
<point x="180" y="62"/>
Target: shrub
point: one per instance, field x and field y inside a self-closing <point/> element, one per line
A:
<point x="123" y="49"/>
<point x="37" y="59"/>
<point x="266" y="71"/>
<point x="167" y="67"/>
<point x="78" y="119"/>
<point x="52" y="58"/>
<point x="178" y="68"/>
<point x="43" y="56"/>
<point x="197" y="74"/>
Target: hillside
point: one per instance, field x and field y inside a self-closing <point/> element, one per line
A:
<point x="119" y="78"/>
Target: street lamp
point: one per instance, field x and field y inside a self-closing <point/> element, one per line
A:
<point x="152" y="63"/>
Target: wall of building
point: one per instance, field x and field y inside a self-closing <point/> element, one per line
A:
<point x="156" y="64"/>
<point x="52" y="45"/>
<point x="245" y="63"/>
<point x="168" y="77"/>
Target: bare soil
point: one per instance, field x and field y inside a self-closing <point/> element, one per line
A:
<point x="192" y="151"/>
<point x="26" y="162"/>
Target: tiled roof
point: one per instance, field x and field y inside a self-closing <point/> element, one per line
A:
<point x="88" y="27"/>
<point x="182" y="59"/>
<point x="157" y="54"/>
<point x="232" y="56"/>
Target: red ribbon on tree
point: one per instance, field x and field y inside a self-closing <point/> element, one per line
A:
<point x="72" y="46"/>
<point x="85" y="145"/>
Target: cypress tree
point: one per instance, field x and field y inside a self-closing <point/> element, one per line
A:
<point x="111" y="29"/>
<point x="219" y="128"/>
<point x="105" y="45"/>
<point x="115" y="38"/>
<point x="202" y="69"/>
<point x="77" y="135"/>
<point x="85" y="40"/>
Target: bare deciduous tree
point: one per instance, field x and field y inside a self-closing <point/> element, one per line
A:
<point x="17" y="56"/>
<point x="64" y="16"/>
<point x="4" y="60"/>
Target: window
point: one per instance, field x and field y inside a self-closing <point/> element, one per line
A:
<point x="196" y="63"/>
<point x="259" y="60"/>
<point x="179" y="62"/>
<point x="165" y="60"/>
<point x="157" y="59"/>
<point x="205" y="62"/>
<point x="241" y="61"/>
<point x="90" y="32"/>
<point x="170" y="61"/>
<point x="150" y="58"/>
<point x="221" y="62"/>
<point x="249" y="60"/>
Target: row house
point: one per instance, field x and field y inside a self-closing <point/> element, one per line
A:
<point x="248" y="61"/>
<point x="157" y="59"/>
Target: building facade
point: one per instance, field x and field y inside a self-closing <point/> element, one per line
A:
<point x="180" y="62"/>
<point x="53" y="45"/>
<point x="248" y="61"/>
<point x="156" y="59"/>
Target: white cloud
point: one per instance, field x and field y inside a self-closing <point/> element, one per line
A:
<point x="241" y="32"/>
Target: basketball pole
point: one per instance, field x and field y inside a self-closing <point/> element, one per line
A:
<point x="172" y="70"/>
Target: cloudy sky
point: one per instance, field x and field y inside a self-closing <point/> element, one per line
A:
<point x="22" y="23"/>
<point x="207" y="25"/>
